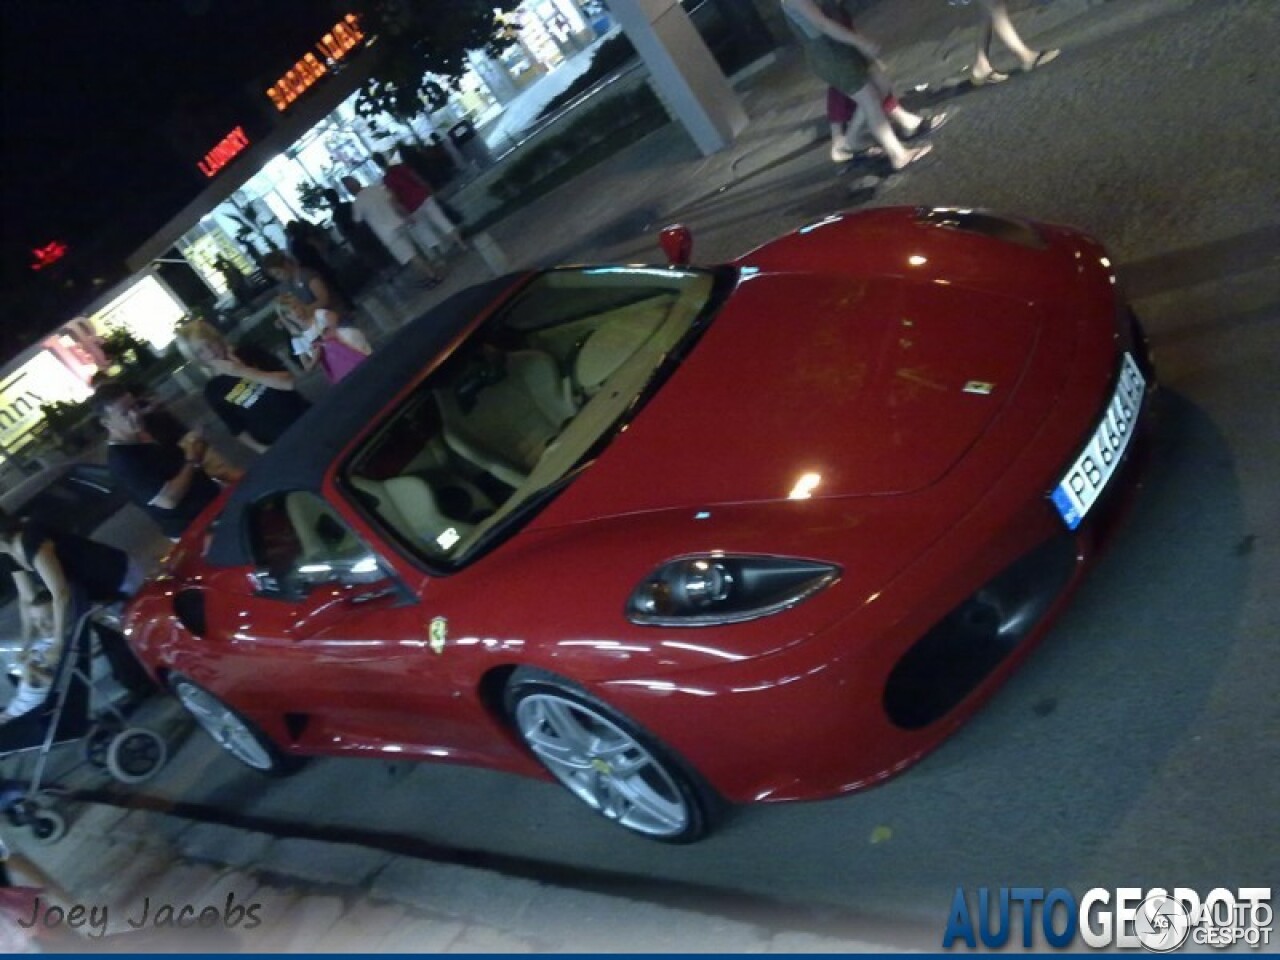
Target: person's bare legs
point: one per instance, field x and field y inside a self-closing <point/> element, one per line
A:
<point x="425" y="269"/>
<point x="998" y="20"/>
<point x="906" y="122"/>
<point x="982" y="71"/>
<point x="841" y="149"/>
<point x="871" y="112"/>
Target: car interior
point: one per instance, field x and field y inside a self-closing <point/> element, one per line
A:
<point x="520" y="403"/>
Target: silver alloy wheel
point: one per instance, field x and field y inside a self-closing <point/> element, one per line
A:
<point x="602" y="764"/>
<point x="226" y="727"/>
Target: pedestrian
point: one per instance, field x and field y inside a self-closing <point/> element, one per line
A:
<point x="317" y="339"/>
<point x="841" y="110"/>
<point x="171" y="482"/>
<point x="370" y="253"/>
<point x="313" y="248"/>
<point x="76" y="572"/>
<point x="310" y="292"/>
<point x="168" y="430"/>
<point x="416" y="198"/>
<point x="374" y="205"/>
<point x="996" y="21"/>
<point x="250" y="390"/>
<point x="36" y="660"/>
<point x="846" y="60"/>
<point x="237" y="283"/>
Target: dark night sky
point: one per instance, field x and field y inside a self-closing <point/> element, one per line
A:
<point x="107" y="107"/>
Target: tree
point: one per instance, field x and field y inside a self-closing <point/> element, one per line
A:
<point x="422" y="44"/>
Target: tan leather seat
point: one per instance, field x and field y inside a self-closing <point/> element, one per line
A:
<point x="409" y="505"/>
<point x="611" y="345"/>
<point x="323" y="537"/>
<point x="507" y="425"/>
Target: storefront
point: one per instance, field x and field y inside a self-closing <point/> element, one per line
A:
<point x="60" y="368"/>
<point x="257" y="188"/>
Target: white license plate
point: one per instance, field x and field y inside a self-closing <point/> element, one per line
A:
<point x="1082" y="485"/>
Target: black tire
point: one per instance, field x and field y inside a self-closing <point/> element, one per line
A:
<point x="235" y="733"/>
<point x="661" y="798"/>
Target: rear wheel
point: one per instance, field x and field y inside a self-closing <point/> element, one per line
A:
<point x="606" y="761"/>
<point x="236" y="734"/>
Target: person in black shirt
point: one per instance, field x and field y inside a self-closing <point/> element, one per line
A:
<point x="77" y="572"/>
<point x="168" y="481"/>
<point x="250" y="390"/>
<point x="368" y="250"/>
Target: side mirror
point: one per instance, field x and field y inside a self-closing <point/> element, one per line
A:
<point x="352" y="572"/>
<point x="677" y="243"/>
<point x="349" y="571"/>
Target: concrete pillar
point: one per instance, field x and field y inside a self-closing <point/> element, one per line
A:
<point x="685" y="76"/>
<point x="494" y="75"/>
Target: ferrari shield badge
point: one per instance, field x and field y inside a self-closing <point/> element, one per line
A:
<point x="438" y="633"/>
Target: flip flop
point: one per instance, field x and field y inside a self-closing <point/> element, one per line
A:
<point x="928" y="125"/>
<point x="918" y="154"/>
<point x="995" y="76"/>
<point x="1043" y="57"/>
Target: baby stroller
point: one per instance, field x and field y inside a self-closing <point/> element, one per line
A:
<point x="68" y="715"/>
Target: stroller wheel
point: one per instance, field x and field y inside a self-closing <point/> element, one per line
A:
<point x="98" y="743"/>
<point x="136" y="754"/>
<point x="47" y="826"/>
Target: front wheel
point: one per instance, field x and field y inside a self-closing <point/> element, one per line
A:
<point x="238" y="735"/>
<point x="606" y="761"/>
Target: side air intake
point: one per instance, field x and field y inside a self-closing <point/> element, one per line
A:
<point x="188" y="605"/>
<point x="983" y="222"/>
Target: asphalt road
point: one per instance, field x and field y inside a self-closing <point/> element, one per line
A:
<point x="1141" y="744"/>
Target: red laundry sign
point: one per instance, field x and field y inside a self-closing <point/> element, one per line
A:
<point x="224" y="152"/>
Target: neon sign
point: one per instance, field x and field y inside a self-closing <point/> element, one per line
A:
<point x="344" y="37"/>
<point x="48" y="255"/>
<point x="228" y="149"/>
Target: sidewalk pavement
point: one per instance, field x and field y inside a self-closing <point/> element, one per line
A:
<point x="311" y="895"/>
<point x="316" y="895"/>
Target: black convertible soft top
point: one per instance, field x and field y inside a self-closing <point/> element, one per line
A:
<point x="300" y="458"/>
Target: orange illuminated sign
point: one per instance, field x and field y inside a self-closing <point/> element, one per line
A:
<point x="226" y="150"/>
<point x="345" y="36"/>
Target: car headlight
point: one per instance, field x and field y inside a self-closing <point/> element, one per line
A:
<point x="707" y="590"/>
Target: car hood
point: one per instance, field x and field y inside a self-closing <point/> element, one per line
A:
<point x="811" y="384"/>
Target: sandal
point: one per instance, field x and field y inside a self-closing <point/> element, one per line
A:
<point x="995" y="76"/>
<point x="919" y="153"/>
<point x="928" y="125"/>
<point x="1043" y="57"/>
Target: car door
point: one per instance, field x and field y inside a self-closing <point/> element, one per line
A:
<point x="339" y="643"/>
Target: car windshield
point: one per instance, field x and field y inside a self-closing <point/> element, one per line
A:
<point x="505" y="421"/>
